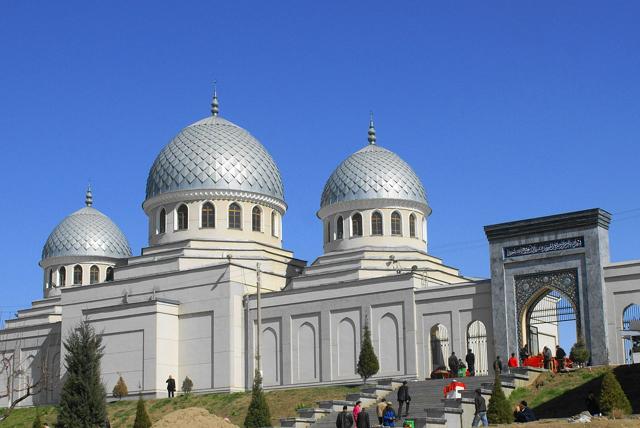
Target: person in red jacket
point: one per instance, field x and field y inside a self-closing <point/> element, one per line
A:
<point x="513" y="361"/>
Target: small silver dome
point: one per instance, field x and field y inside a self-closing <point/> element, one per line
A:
<point x="86" y="232"/>
<point x="214" y="153"/>
<point x="373" y="172"/>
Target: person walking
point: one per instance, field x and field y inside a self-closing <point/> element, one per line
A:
<point x="497" y="366"/>
<point x="356" y="411"/>
<point x="546" y="357"/>
<point x="389" y="417"/>
<point x="471" y="362"/>
<point x="344" y="419"/>
<point x="380" y="408"/>
<point x="453" y="364"/>
<point x="560" y="355"/>
<point x="513" y="361"/>
<point x="403" y="398"/>
<point x="480" y="414"/>
<point x="171" y="386"/>
<point x="363" y="420"/>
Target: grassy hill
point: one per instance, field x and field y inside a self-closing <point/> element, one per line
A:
<point x="283" y="403"/>
<point x="563" y="395"/>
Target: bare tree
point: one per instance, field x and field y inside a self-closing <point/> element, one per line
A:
<point x="25" y="374"/>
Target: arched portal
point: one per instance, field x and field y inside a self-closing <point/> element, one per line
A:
<point x="477" y="342"/>
<point x="630" y="313"/>
<point x="548" y="309"/>
<point x="439" y="346"/>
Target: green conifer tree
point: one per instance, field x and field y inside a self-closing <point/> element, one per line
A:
<point x="258" y="414"/>
<point x="579" y="353"/>
<point x="37" y="422"/>
<point x="612" y="396"/>
<point x="367" y="360"/>
<point x="187" y="385"/>
<point x="120" y="390"/>
<point x="499" y="410"/>
<point x="82" y="401"/>
<point x="142" y="417"/>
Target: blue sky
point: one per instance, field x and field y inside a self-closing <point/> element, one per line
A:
<point x="506" y="110"/>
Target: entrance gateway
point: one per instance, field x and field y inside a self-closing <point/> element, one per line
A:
<point x="550" y="268"/>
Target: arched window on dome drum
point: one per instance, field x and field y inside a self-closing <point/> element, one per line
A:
<point x="77" y="275"/>
<point x="94" y="275"/>
<point x="62" y="276"/>
<point x="50" y="282"/>
<point x="396" y="224"/>
<point x="183" y="217"/>
<point x="376" y="223"/>
<point x="412" y="226"/>
<point x="109" y="275"/>
<point x="162" y="221"/>
<point x="328" y="227"/>
<point x="340" y="228"/>
<point x="208" y="215"/>
<point x="235" y="216"/>
<point x="356" y="225"/>
<point x="256" y="219"/>
<point x="274" y="223"/>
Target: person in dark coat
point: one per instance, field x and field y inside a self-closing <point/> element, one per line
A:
<point x="524" y="413"/>
<point x="344" y="419"/>
<point x="471" y="362"/>
<point x="480" y="414"/>
<point x="403" y="397"/>
<point x="363" y="420"/>
<point x="524" y="354"/>
<point x="497" y="365"/>
<point x="560" y="355"/>
<point x="546" y="357"/>
<point x="171" y="386"/>
<point x="453" y="364"/>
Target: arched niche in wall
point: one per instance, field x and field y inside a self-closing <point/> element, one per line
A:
<point x="269" y="357"/>
<point x="307" y="360"/>
<point x="389" y="344"/>
<point x="346" y="348"/>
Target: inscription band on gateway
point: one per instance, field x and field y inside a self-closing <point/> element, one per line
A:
<point x="544" y="247"/>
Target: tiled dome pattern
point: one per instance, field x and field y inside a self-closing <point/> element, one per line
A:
<point x="373" y="173"/>
<point x="215" y="154"/>
<point x="86" y="232"/>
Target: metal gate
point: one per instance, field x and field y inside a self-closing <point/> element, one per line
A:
<point x="439" y="346"/>
<point x="632" y="312"/>
<point x="477" y="342"/>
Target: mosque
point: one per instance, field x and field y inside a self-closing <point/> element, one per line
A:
<point x="188" y="306"/>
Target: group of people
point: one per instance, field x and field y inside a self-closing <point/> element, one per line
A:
<point x="387" y="416"/>
<point x="455" y="364"/>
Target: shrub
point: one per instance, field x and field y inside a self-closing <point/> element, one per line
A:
<point x="612" y="396"/>
<point x="83" y="398"/>
<point x="120" y="390"/>
<point x="579" y="353"/>
<point x="142" y="417"/>
<point x="367" y="361"/>
<point x="187" y="385"/>
<point x="499" y="410"/>
<point x="258" y="414"/>
<point x="37" y="422"/>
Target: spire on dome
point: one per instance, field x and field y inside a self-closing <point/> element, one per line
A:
<point x="88" y="199"/>
<point x="215" y="107"/>
<point x="372" y="130"/>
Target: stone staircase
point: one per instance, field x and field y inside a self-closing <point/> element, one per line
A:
<point x="428" y="408"/>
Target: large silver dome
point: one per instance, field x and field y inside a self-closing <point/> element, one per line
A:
<point x="214" y="153"/>
<point x="86" y="232"/>
<point x="373" y="172"/>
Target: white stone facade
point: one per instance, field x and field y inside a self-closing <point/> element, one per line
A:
<point x="187" y="305"/>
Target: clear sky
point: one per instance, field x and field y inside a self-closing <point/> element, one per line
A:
<point x="506" y="110"/>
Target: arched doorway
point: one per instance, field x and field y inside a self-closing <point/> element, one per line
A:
<point x="477" y="342"/>
<point x="439" y="346"/>
<point x="548" y="310"/>
<point x="630" y="313"/>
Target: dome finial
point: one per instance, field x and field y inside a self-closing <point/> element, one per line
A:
<point x="88" y="199"/>
<point x="372" y="130"/>
<point x="215" y="107"/>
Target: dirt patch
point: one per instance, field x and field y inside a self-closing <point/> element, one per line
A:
<point x="561" y="423"/>
<point x="193" y="417"/>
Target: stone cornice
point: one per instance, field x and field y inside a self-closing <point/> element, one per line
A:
<point x="368" y="204"/>
<point x="595" y="217"/>
<point x="213" y="194"/>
